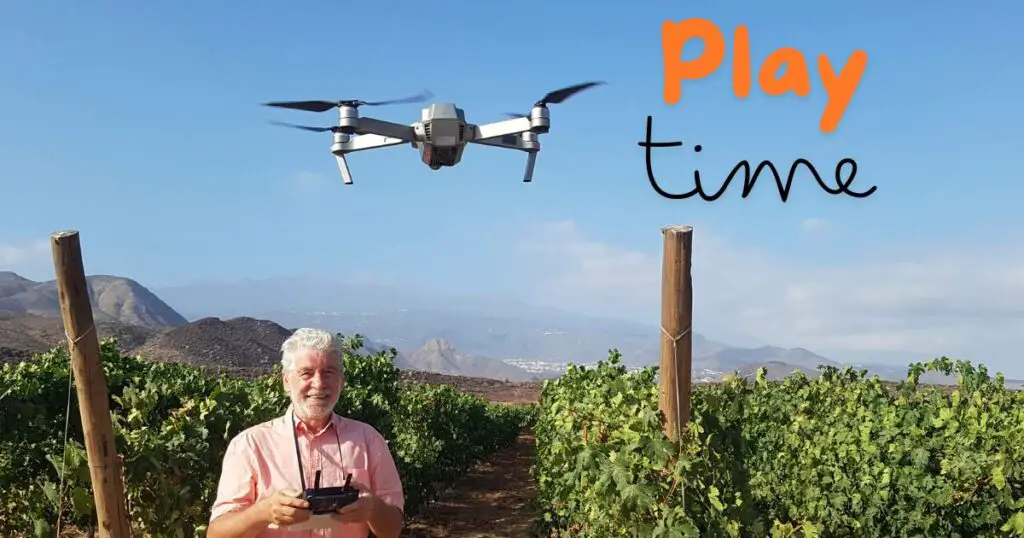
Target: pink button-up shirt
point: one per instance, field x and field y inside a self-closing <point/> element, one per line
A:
<point x="261" y="461"/>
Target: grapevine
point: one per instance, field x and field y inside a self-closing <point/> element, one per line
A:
<point x="841" y="455"/>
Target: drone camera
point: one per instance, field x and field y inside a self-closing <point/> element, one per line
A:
<point x="443" y="133"/>
<point x="442" y="125"/>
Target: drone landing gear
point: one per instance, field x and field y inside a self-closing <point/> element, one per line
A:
<point x="345" y="143"/>
<point x="531" y="161"/>
<point x="526" y="142"/>
<point x="346" y="175"/>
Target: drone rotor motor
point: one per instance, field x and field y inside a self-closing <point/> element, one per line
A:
<point x="540" y="119"/>
<point x="348" y="119"/>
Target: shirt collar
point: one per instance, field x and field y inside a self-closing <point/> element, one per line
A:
<point x="286" y="422"/>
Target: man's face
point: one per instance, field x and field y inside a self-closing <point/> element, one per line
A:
<point x="314" y="384"/>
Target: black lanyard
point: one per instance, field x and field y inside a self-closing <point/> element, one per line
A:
<point x="298" y="454"/>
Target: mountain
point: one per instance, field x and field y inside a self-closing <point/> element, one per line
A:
<point x="113" y="299"/>
<point x="238" y="343"/>
<point x="372" y="348"/>
<point x="731" y="359"/>
<point x="438" y="356"/>
<point x="494" y="327"/>
<point x="481" y="335"/>
<point x="235" y="343"/>
<point x="13" y="284"/>
<point x="23" y="335"/>
<point x="540" y="339"/>
<point x="776" y="370"/>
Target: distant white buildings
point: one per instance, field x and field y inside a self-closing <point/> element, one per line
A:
<point x="544" y="367"/>
<point x="703" y="375"/>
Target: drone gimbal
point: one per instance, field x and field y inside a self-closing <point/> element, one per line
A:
<point x="442" y="133"/>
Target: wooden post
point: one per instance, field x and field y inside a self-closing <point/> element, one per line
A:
<point x="676" y="324"/>
<point x="91" y="385"/>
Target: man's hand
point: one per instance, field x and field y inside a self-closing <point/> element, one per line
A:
<point x="362" y="510"/>
<point x="383" y="519"/>
<point x="286" y="508"/>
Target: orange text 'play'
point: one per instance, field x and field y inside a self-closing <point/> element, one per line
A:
<point x="795" y="77"/>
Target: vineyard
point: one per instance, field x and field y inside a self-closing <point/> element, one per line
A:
<point x="838" y="456"/>
<point x="172" y="423"/>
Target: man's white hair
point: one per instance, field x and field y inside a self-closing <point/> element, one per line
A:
<point x="310" y="340"/>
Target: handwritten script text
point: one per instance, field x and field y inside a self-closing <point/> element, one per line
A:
<point x="843" y="184"/>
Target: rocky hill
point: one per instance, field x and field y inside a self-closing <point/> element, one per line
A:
<point x="21" y="336"/>
<point x="241" y="342"/>
<point x="491" y="389"/>
<point x="113" y="298"/>
<point x="776" y="370"/>
<point x="779" y="362"/>
<point x="439" y="356"/>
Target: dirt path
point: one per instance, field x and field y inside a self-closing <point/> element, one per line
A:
<point x="492" y="500"/>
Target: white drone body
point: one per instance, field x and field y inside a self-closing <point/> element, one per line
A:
<point x="441" y="135"/>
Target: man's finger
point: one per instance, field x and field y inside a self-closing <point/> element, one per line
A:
<point x="293" y="510"/>
<point x="352" y="507"/>
<point x="293" y="502"/>
<point x="290" y="518"/>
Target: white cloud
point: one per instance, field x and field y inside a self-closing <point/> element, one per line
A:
<point x="965" y="305"/>
<point x="30" y="259"/>
<point x="813" y="225"/>
<point x="590" y="275"/>
<point x="307" y="182"/>
<point x="12" y="255"/>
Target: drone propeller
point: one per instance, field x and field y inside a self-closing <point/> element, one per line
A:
<point x="323" y="106"/>
<point x="557" y="96"/>
<point x="306" y="127"/>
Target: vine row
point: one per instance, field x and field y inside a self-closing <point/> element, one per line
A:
<point x="841" y="455"/>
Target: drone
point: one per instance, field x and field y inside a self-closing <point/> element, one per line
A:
<point x="442" y="133"/>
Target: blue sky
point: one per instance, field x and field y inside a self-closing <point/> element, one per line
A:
<point x="140" y="126"/>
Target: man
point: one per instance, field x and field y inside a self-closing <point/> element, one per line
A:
<point x="259" y="491"/>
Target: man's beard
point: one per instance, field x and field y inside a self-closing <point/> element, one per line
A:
<point x="315" y="405"/>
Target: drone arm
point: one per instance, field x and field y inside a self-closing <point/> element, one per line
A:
<point x="507" y="141"/>
<point x="371" y="126"/>
<point x="500" y="128"/>
<point x="365" y="142"/>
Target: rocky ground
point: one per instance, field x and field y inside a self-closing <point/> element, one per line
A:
<point x="491" y="389"/>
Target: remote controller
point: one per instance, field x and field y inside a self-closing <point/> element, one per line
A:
<point x="326" y="500"/>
